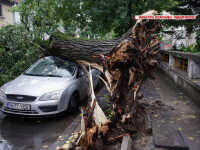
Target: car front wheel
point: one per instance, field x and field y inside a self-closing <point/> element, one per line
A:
<point x="73" y="103"/>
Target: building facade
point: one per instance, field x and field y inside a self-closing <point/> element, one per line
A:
<point x="183" y="38"/>
<point x="6" y="16"/>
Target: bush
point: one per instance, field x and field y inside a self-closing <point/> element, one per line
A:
<point x="190" y="48"/>
<point x="16" y="52"/>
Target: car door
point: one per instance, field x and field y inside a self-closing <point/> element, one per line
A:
<point x="82" y="83"/>
<point x="95" y="78"/>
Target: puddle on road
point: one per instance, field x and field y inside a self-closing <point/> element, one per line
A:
<point x="27" y="133"/>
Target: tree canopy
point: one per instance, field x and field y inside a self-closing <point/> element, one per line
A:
<point x="90" y="16"/>
<point x="185" y="7"/>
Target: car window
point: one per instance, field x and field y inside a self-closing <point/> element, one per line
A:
<point x="53" y="67"/>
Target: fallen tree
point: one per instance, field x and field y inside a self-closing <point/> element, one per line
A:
<point x="126" y="62"/>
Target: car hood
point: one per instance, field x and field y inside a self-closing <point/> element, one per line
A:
<point x="35" y="85"/>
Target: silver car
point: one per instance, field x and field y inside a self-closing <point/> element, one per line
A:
<point x="50" y="86"/>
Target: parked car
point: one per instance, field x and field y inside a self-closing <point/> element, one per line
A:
<point x="50" y="86"/>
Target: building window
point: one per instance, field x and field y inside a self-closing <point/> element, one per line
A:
<point x="1" y="11"/>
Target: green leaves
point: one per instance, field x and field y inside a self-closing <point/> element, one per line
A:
<point x="185" y="7"/>
<point x="16" y="53"/>
<point x="88" y="18"/>
<point x="190" y="48"/>
<point x="39" y="16"/>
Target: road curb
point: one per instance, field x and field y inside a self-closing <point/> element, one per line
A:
<point x="66" y="134"/>
<point x="126" y="143"/>
<point x="147" y="123"/>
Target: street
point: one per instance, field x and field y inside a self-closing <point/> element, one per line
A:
<point x="29" y="133"/>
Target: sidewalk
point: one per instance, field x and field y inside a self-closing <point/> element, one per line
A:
<point x="177" y="124"/>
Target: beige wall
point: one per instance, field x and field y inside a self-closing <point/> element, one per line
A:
<point x="7" y="15"/>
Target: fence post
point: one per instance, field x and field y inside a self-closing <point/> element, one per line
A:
<point x="171" y="61"/>
<point x="193" y="69"/>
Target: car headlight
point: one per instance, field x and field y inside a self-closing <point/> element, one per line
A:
<point x="2" y="93"/>
<point x="55" y="95"/>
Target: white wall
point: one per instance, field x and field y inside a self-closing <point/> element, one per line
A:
<point x="7" y="17"/>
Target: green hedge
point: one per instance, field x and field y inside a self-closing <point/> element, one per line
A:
<point x="16" y="52"/>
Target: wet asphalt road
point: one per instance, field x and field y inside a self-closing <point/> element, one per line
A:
<point x="29" y="133"/>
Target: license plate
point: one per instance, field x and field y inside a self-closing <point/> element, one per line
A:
<point x="19" y="106"/>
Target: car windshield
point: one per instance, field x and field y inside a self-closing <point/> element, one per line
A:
<point x="52" y="67"/>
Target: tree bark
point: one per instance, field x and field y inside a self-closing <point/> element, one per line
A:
<point x="126" y="62"/>
<point x="76" y="49"/>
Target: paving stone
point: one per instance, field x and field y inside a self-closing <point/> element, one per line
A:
<point x="148" y="127"/>
<point x="166" y="135"/>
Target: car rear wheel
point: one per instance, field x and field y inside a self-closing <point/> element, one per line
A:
<point x="73" y="103"/>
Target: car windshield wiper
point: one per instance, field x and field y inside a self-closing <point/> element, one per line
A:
<point x="29" y="74"/>
<point x="51" y="75"/>
<point x="42" y="75"/>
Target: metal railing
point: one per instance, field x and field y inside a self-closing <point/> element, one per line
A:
<point x="181" y="63"/>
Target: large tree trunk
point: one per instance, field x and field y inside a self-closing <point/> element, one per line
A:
<point x="126" y="62"/>
<point x="76" y="49"/>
